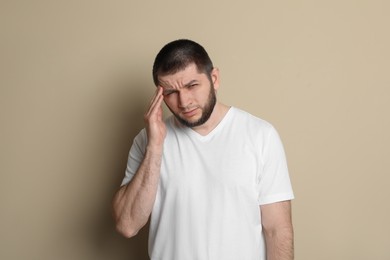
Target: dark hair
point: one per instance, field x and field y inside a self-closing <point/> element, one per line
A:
<point x="177" y="55"/>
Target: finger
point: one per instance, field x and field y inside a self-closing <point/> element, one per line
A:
<point x="154" y="96"/>
<point x="157" y="99"/>
<point x="153" y="100"/>
<point x="155" y="112"/>
<point x="156" y="102"/>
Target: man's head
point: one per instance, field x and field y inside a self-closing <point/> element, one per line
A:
<point x="177" y="55"/>
<point x="185" y="72"/>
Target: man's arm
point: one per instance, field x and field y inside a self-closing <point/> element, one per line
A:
<point x="278" y="230"/>
<point x="134" y="201"/>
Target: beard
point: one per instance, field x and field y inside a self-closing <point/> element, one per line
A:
<point x="207" y="110"/>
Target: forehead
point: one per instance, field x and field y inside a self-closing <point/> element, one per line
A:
<point x="183" y="76"/>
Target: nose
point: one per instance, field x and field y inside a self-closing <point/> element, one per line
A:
<point x="184" y="99"/>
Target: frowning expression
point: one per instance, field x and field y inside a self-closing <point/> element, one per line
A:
<point x="190" y="94"/>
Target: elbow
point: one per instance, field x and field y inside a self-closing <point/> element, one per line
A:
<point x="124" y="225"/>
<point x="127" y="233"/>
<point x="126" y="230"/>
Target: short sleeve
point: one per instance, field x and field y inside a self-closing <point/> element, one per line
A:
<point x="136" y="155"/>
<point x="274" y="182"/>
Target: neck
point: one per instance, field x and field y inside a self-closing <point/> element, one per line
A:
<point x="216" y="117"/>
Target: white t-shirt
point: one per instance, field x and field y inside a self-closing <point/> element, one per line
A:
<point x="207" y="203"/>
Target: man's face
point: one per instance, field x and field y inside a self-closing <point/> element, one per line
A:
<point x="190" y="95"/>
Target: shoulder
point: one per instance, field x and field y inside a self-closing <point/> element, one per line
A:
<point x="257" y="130"/>
<point x="250" y="122"/>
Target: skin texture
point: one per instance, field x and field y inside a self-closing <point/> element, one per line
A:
<point x="190" y="96"/>
<point x="278" y="230"/>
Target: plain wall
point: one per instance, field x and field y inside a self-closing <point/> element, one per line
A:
<point x="76" y="80"/>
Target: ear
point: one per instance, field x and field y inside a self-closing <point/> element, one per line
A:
<point x="215" y="78"/>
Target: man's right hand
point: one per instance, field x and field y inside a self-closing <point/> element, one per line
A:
<point x="155" y="126"/>
<point x="133" y="203"/>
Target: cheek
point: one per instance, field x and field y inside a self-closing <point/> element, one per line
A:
<point x="203" y="95"/>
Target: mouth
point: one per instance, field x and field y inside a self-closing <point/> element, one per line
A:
<point x="190" y="113"/>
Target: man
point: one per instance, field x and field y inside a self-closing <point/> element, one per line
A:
<point x="213" y="178"/>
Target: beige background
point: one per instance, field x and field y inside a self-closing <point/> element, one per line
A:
<point x="76" y="78"/>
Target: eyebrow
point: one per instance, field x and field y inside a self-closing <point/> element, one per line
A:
<point x="169" y="91"/>
<point x="172" y="90"/>
<point x="190" y="83"/>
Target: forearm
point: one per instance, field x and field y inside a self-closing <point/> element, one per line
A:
<point x="133" y="203"/>
<point x="280" y="244"/>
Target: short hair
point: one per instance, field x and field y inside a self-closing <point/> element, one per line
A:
<point x="177" y="55"/>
